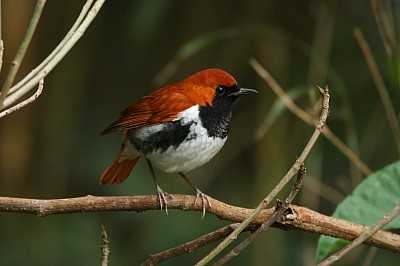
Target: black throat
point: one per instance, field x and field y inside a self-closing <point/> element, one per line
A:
<point x="216" y="118"/>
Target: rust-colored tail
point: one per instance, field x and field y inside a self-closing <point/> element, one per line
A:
<point x="119" y="169"/>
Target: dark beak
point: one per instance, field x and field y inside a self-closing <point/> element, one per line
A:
<point x="243" y="91"/>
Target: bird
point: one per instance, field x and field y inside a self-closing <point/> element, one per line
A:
<point x="176" y="128"/>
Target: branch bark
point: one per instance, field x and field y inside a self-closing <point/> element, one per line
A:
<point x="295" y="218"/>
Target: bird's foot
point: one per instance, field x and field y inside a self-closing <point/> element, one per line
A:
<point x="162" y="199"/>
<point x="204" y="199"/>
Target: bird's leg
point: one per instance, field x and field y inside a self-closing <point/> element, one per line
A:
<point x="161" y="194"/>
<point x="198" y="194"/>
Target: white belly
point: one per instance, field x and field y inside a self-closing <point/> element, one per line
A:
<point x="196" y="149"/>
<point x="189" y="155"/>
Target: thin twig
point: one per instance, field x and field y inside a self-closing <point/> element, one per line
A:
<point x="380" y="86"/>
<point x="384" y="19"/>
<point x="192" y="246"/>
<point x="281" y="209"/>
<point x="361" y="238"/>
<point x="305" y="117"/>
<point x="105" y="250"/>
<point x="1" y="51"/>
<point x="57" y="57"/>
<point x="1" y="28"/>
<point x="301" y="218"/>
<point x="293" y="170"/>
<point x="26" y="102"/>
<point x="16" y="63"/>
<point x="1" y="40"/>
<point x="39" y="68"/>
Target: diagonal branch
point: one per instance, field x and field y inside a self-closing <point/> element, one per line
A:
<point x="68" y="36"/>
<point x="272" y="194"/>
<point x="280" y="210"/>
<point x="84" y="20"/>
<point x="380" y="86"/>
<point x="308" y="119"/>
<point x="363" y="237"/>
<point x="194" y="245"/>
<point x="296" y="217"/>
<point x="16" y="63"/>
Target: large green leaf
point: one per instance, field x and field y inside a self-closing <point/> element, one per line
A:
<point x="371" y="200"/>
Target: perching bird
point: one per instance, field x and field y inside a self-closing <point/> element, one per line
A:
<point x="176" y="128"/>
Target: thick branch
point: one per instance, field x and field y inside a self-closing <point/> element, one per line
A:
<point x="296" y="217"/>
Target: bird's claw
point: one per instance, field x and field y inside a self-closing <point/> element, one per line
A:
<point x="162" y="199"/>
<point x="204" y="201"/>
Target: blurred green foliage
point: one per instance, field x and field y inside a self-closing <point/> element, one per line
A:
<point x="370" y="201"/>
<point x="52" y="148"/>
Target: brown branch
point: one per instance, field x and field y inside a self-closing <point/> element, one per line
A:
<point x="307" y="118"/>
<point x="192" y="246"/>
<point x="380" y="86"/>
<point x="296" y="217"/>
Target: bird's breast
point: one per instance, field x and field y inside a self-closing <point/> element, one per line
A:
<point x="177" y="146"/>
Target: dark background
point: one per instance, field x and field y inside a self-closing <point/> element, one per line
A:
<point x="52" y="148"/>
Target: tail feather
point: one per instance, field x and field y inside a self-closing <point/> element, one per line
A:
<point x="119" y="169"/>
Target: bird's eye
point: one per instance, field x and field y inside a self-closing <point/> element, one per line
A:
<point x="220" y="90"/>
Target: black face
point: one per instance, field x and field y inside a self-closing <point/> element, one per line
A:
<point x="216" y="118"/>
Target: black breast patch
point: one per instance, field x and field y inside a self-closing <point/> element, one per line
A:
<point x="173" y="134"/>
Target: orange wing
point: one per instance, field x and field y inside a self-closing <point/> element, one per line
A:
<point x="161" y="106"/>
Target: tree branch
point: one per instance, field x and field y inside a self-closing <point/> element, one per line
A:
<point x="380" y="86"/>
<point x="87" y="15"/>
<point x="361" y="238"/>
<point x="26" y="102"/>
<point x="15" y="64"/>
<point x="295" y="218"/>
<point x="319" y="125"/>
<point x="280" y="210"/>
<point x="191" y="246"/>
<point x="308" y="119"/>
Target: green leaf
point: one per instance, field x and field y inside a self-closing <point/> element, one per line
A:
<point x="371" y="200"/>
